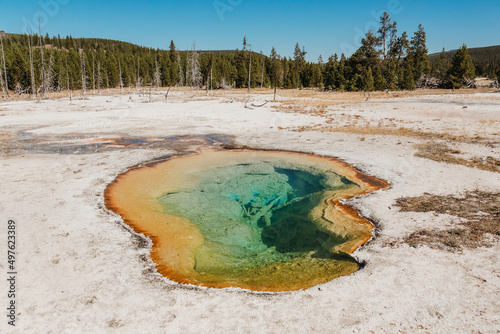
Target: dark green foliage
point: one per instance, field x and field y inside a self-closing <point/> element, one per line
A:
<point x="385" y="60"/>
<point x="298" y="74"/>
<point x="379" y="80"/>
<point x="331" y="74"/>
<point x="419" y="51"/>
<point x="276" y="69"/>
<point x="408" y="74"/>
<point x="486" y="60"/>
<point x="441" y="66"/>
<point x="462" y="68"/>
<point x="369" y="82"/>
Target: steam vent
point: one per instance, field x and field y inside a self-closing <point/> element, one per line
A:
<point x="257" y="220"/>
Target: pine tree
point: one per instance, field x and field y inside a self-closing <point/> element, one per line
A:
<point x="419" y="51"/>
<point x="276" y="70"/>
<point x="386" y="31"/>
<point x="298" y="64"/>
<point x="441" y="66"/>
<point x="369" y="82"/>
<point x="353" y="85"/>
<point x="331" y="73"/>
<point x="400" y="48"/>
<point x="379" y="80"/>
<point x="462" y="68"/>
<point x="317" y="75"/>
<point x="408" y="74"/>
<point x="241" y="63"/>
<point x="340" y="79"/>
<point x="368" y="54"/>
<point x="18" y="74"/>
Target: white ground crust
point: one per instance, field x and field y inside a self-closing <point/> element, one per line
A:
<point x="81" y="271"/>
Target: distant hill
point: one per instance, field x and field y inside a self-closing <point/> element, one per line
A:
<point x="486" y="59"/>
<point x="488" y="52"/>
<point x="122" y="44"/>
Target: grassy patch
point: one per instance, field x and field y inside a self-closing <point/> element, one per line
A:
<point x="400" y="132"/>
<point x="480" y="210"/>
<point x="442" y="153"/>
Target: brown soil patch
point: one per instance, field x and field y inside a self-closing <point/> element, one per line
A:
<point x="442" y="153"/>
<point x="480" y="210"/>
<point x="400" y="132"/>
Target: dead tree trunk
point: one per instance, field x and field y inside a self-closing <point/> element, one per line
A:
<point x="120" y="70"/>
<point x="166" y="95"/>
<point x="60" y="80"/>
<point x="69" y="87"/>
<point x="138" y="80"/>
<point x="107" y="83"/>
<point x="93" y="72"/>
<point x="249" y="70"/>
<point x="49" y="74"/>
<point x="32" y="68"/>
<point x="4" y="69"/>
<point x="42" y="68"/>
<point x="84" y="72"/>
<point x="99" y="76"/>
<point x="262" y="77"/>
<point x="194" y="76"/>
<point x="4" y="92"/>
<point x="179" y="69"/>
<point x="157" y="75"/>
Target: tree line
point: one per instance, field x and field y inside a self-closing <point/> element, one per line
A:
<point x="36" y="64"/>
<point x="486" y="60"/>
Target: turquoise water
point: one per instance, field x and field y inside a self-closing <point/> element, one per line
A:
<point x="255" y="214"/>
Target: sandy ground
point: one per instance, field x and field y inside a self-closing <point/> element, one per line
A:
<point x="80" y="270"/>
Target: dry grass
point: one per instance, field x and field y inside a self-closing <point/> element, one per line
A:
<point x="442" y="153"/>
<point x="313" y="107"/>
<point x="77" y="94"/>
<point x="400" y="132"/>
<point x="283" y="94"/>
<point x="360" y="96"/>
<point x="480" y="210"/>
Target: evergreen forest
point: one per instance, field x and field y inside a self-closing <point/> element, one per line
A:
<point x="386" y="60"/>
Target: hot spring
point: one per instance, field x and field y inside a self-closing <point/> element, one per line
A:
<point x="258" y="220"/>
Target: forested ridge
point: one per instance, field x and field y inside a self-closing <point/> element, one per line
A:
<point x="387" y="59"/>
<point x="486" y="60"/>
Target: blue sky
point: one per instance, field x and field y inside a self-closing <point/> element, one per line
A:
<point x="323" y="27"/>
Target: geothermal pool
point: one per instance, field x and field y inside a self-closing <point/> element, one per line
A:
<point x="258" y="220"/>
